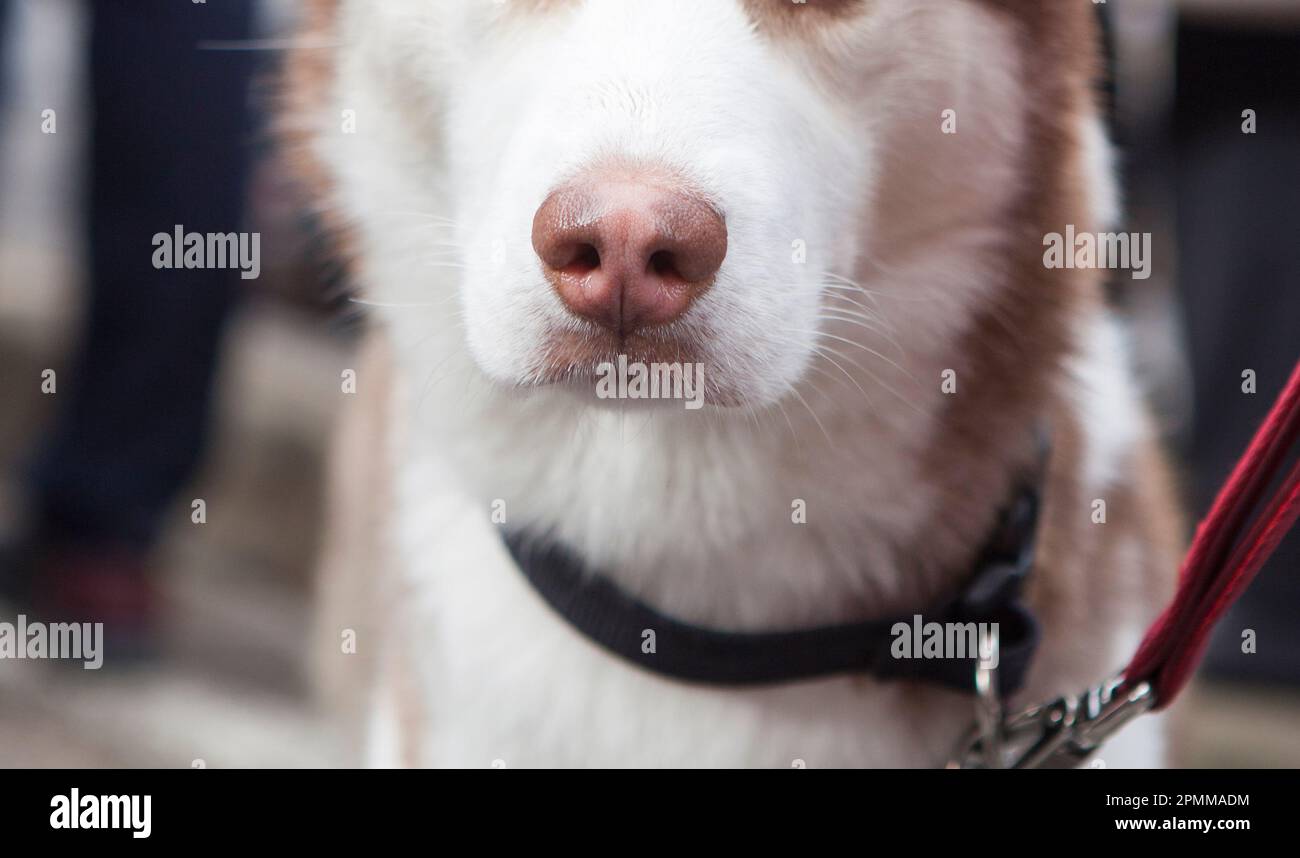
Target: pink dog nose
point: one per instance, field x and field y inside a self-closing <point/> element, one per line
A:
<point x="626" y="254"/>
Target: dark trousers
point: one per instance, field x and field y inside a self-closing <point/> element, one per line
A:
<point x="169" y="145"/>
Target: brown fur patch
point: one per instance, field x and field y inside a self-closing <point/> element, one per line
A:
<point x="784" y="17"/>
<point x="1012" y="353"/>
<point x="1011" y="360"/>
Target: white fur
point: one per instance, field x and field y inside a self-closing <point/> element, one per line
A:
<point x="383" y="730"/>
<point x="1099" y="166"/>
<point x="1099" y="379"/>
<point x="1108" y="402"/>
<point x="469" y="113"/>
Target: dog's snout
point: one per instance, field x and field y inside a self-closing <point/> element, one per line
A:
<point x="627" y="254"/>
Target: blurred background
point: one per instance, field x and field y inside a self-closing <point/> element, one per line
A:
<point x="177" y="386"/>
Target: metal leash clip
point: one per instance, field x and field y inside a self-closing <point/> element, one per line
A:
<point x="1059" y="734"/>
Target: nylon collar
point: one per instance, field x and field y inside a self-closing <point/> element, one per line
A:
<point x="617" y="621"/>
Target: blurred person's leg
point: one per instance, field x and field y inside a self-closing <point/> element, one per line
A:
<point x="169" y="147"/>
<point x="1239" y="272"/>
<point x="4" y="31"/>
<point x="6" y="13"/>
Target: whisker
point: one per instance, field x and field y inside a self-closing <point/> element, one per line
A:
<point x="267" y="45"/>
<point x="866" y="320"/>
<point x="366" y="302"/>
<point x="830" y="315"/>
<point x="859" y="345"/>
<point x="874" y="377"/>
<point x="847" y="285"/>
<point x="798" y="442"/>
<point x="436" y="218"/>
<point x="849" y="300"/>
<point x="815" y="418"/>
<point x="819" y="350"/>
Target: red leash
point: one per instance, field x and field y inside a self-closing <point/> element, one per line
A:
<point x="1221" y="562"/>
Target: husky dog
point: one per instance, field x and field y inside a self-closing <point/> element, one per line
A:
<point x="836" y="210"/>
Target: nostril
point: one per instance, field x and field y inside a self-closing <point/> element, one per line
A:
<point x="664" y="264"/>
<point x="586" y="259"/>
<point x="571" y="257"/>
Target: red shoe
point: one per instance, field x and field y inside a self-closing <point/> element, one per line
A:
<point x="109" y="586"/>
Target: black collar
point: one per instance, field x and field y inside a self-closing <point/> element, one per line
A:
<point x="618" y="621"/>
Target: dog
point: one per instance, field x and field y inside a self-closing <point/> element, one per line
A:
<point x="836" y="209"/>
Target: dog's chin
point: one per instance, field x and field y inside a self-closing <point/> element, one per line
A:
<point x="580" y="363"/>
